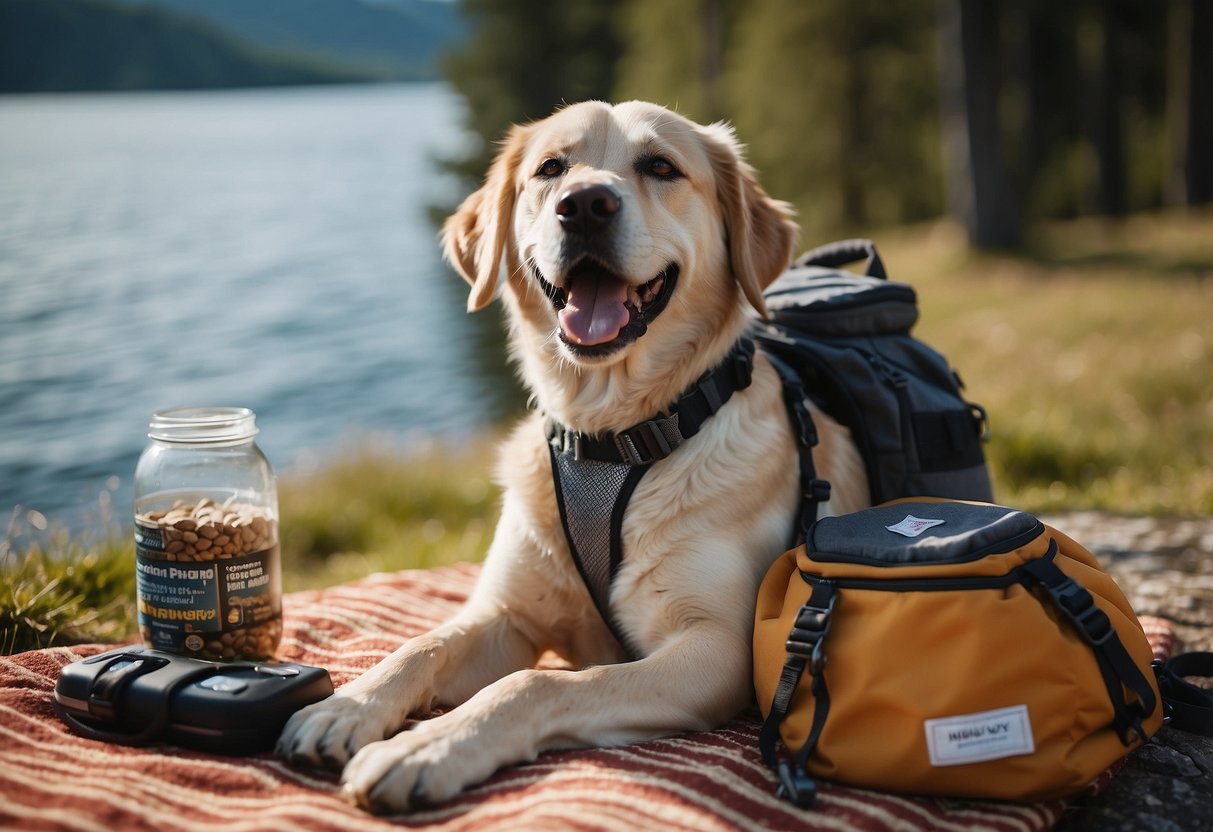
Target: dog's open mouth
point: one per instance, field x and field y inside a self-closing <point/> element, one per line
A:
<point x="600" y="312"/>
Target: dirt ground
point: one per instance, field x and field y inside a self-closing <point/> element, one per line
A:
<point x="1166" y="569"/>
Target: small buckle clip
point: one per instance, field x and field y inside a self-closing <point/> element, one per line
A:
<point x="808" y="633"/>
<point x="743" y="369"/>
<point x="643" y="444"/>
<point x="819" y="491"/>
<point x="795" y="786"/>
<point x="565" y="441"/>
<point x="806" y="429"/>
<point x="1092" y="622"/>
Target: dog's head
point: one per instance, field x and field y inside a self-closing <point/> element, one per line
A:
<point x="617" y="226"/>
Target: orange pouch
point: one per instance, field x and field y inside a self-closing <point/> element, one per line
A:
<point x="947" y="648"/>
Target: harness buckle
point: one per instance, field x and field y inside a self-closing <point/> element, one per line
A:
<point x="818" y="491"/>
<point x="643" y="444"/>
<point x="566" y="441"/>
<point x="743" y="368"/>
<point x="806" y="430"/>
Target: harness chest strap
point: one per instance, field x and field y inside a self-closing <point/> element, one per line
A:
<point x="596" y="475"/>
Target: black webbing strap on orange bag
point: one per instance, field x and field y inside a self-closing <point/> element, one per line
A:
<point x="805" y="652"/>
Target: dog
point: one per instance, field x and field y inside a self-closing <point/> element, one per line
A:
<point x="631" y="247"/>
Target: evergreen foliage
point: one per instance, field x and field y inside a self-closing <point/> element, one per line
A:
<point x="1099" y="108"/>
<point x="523" y="59"/>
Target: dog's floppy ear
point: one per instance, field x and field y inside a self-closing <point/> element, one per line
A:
<point x="761" y="230"/>
<point x="475" y="237"/>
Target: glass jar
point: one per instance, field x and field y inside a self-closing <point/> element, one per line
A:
<point x="206" y="537"/>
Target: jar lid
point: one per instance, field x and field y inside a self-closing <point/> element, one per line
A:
<point x="203" y="425"/>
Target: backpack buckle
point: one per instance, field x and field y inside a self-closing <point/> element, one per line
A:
<point x="808" y="634"/>
<point x="1092" y="622"/>
<point x="981" y="420"/>
<point x="795" y="786"/>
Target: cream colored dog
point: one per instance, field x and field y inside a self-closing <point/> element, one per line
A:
<point x="626" y="243"/>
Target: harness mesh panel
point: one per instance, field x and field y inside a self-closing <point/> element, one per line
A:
<point x="588" y="492"/>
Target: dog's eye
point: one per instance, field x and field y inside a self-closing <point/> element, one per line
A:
<point x="550" y="168"/>
<point x="662" y="168"/>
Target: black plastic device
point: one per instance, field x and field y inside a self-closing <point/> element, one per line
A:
<point x="138" y="696"/>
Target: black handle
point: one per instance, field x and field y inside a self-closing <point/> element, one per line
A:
<point x="837" y="255"/>
<point x="1190" y="706"/>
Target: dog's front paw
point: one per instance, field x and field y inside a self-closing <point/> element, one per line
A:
<point x="332" y="731"/>
<point x="423" y="766"/>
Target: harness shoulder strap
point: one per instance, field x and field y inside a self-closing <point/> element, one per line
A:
<point x="595" y="476"/>
<point x="654" y="439"/>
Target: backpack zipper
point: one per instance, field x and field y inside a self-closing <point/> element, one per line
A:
<point x="1015" y="576"/>
<point x="896" y="379"/>
<point x="919" y="584"/>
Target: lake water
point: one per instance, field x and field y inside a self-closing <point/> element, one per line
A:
<point x="267" y="248"/>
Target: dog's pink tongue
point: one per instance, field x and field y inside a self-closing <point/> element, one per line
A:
<point x="594" y="312"/>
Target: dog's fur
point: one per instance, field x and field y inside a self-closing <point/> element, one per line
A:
<point x="702" y="526"/>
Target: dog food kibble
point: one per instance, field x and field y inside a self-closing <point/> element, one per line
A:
<point x="208" y="532"/>
<point x="207" y="582"/>
<point x="206" y="538"/>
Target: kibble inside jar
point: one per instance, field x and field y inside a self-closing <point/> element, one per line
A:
<point x="206" y="538"/>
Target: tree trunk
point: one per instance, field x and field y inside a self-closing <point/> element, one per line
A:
<point x="978" y="188"/>
<point x="1105" y="125"/>
<point x="1198" y="170"/>
<point x="853" y="123"/>
<point x="711" y="64"/>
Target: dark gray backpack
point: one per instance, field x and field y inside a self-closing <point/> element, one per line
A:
<point x="844" y="340"/>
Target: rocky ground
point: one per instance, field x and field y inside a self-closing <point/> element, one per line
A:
<point x="1166" y="569"/>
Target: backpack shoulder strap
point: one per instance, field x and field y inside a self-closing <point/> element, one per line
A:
<point x="1116" y="666"/>
<point x="813" y="490"/>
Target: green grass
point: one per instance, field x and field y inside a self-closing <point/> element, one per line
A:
<point x="1093" y="354"/>
<point x="375" y="509"/>
<point x="63" y="591"/>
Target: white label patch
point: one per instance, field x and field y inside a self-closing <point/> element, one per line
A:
<point x="971" y="738"/>
<point x="914" y="526"/>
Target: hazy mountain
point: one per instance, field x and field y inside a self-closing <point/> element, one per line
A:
<point x="84" y="45"/>
<point x="398" y="39"/>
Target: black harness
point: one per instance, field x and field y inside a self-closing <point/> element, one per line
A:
<point x="596" y="475"/>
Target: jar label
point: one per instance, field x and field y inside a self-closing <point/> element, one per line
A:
<point x="191" y="605"/>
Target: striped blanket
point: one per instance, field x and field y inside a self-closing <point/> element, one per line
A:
<point x="51" y="779"/>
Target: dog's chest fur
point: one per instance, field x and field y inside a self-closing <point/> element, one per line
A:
<point x="677" y="566"/>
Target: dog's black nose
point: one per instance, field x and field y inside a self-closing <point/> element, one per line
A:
<point x="588" y="208"/>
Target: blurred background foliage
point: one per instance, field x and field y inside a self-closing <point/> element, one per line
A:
<point x="869" y="113"/>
